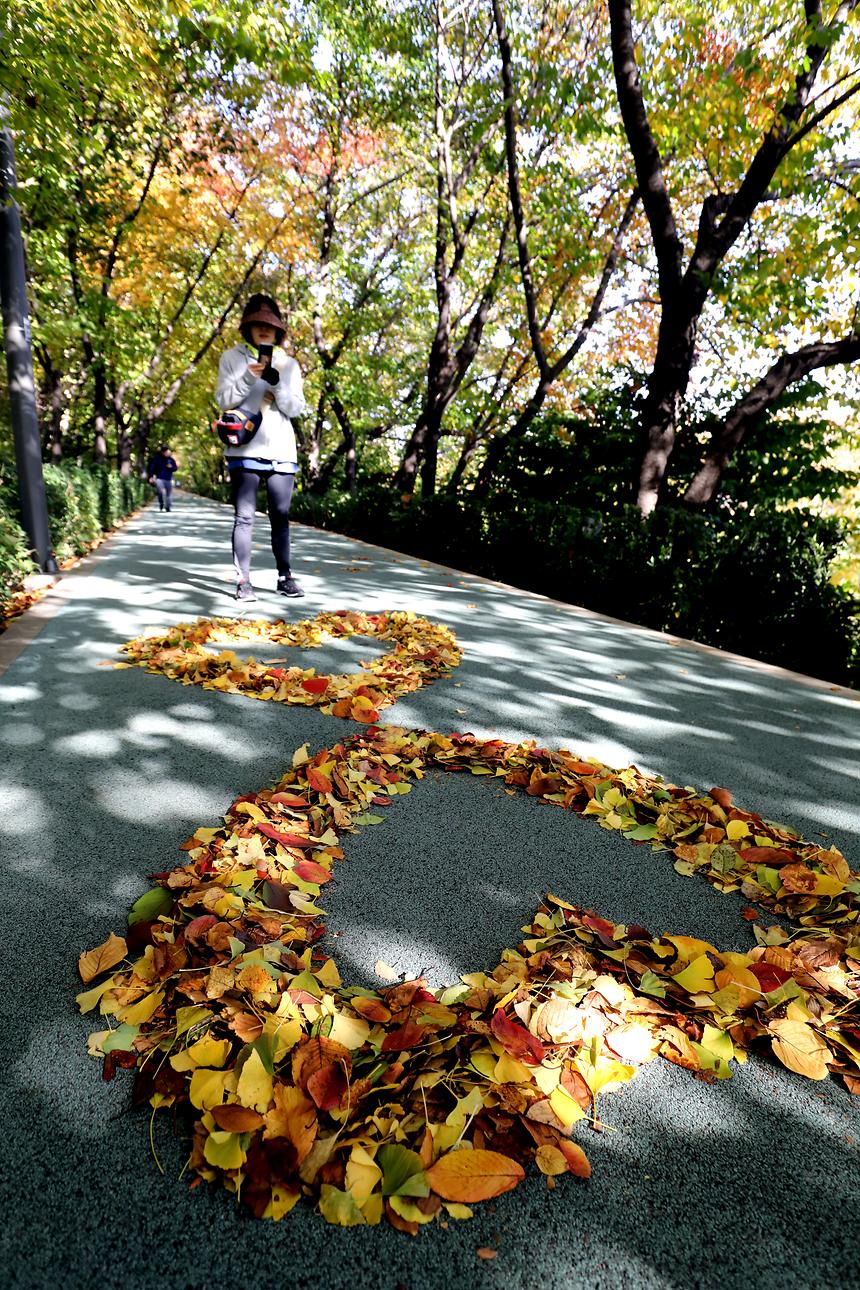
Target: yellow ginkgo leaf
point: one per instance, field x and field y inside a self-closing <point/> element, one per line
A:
<point x="283" y="1200"/>
<point x="209" y="1088"/>
<point x="696" y="976"/>
<point x="206" y="1052"/>
<point x="136" y="1013"/>
<point x="565" y="1107"/>
<point x="224" y="1150"/>
<point x="254" y="1089"/>
<point x="362" y="1174"/>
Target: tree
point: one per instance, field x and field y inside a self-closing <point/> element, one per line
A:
<point x="468" y="221"/>
<point x="794" y="115"/>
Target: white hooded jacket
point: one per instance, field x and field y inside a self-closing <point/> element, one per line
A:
<point x="275" y="440"/>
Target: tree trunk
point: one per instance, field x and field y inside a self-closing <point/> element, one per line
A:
<point x="670" y="376"/>
<point x="467" y="452"/>
<point x="99" y="415"/>
<point x="53" y="407"/>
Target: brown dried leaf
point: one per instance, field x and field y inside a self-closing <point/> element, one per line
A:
<point x="92" y="962"/>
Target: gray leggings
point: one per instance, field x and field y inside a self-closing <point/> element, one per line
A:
<point x="244" y="483"/>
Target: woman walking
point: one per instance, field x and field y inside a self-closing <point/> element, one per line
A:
<point x="259" y="374"/>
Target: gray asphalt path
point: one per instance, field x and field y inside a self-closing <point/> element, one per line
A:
<point x="752" y="1182"/>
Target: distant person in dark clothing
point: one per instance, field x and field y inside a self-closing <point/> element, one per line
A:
<point x="160" y="471"/>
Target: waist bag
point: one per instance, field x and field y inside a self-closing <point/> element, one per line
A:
<point x="235" y="427"/>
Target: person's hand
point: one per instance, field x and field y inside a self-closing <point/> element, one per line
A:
<point x="256" y="369"/>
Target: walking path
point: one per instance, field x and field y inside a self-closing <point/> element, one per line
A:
<point x="752" y="1181"/>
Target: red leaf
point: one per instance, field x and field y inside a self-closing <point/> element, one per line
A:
<point x="328" y="1085"/>
<point x="516" y="1040"/>
<point x="310" y="871"/>
<point x="775" y="857"/>
<point x="315" y="684"/>
<point x="605" y="930"/>
<point x="196" y="930"/>
<point x="407" y="1036"/>
<point x="289" y="799"/>
<point x="769" y="976"/>
<point x="288" y="839"/>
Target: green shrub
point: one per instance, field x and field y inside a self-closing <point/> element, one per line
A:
<point x="82" y="504"/>
<point x="15" y="559"/>
<point x="755" y="583"/>
<point x="73" y="508"/>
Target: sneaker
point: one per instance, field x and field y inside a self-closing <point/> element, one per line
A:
<point x="245" y="591"/>
<point x="287" y="585"/>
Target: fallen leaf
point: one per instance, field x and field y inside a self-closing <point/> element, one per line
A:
<point x="799" y="1047"/>
<point x="469" y="1176"/>
<point x="93" y="962"/>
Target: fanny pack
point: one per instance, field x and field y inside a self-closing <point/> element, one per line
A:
<point x="235" y="427"/>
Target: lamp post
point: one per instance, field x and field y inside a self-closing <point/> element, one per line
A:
<point x="19" y="359"/>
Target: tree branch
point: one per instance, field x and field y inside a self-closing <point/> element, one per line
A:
<point x="643" y="146"/>
<point x="747" y="411"/>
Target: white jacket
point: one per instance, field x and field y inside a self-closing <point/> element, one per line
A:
<point x="275" y="440"/>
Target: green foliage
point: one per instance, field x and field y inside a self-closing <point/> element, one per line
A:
<point x="15" y="559"/>
<point x="74" y="510"/>
<point x="82" y="505"/>
<point x="756" y="583"/>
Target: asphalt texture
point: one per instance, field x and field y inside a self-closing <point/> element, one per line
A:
<point x="750" y="1182"/>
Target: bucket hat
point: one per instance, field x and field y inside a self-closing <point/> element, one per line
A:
<point x="262" y="309"/>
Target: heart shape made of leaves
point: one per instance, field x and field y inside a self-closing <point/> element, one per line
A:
<point x="423" y="651"/>
<point x="411" y="1103"/>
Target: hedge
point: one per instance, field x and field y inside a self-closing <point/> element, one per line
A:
<point x="756" y="583"/>
<point x="82" y="505"/>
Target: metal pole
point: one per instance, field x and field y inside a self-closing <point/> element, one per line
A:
<point x="19" y="360"/>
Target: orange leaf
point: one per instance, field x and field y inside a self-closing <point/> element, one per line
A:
<point x="577" y="1160"/>
<point x="236" y="1119"/>
<point x="363" y="710"/>
<point x="475" y="1175"/>
<point x="371" y="1009"/>
<point x="104" y="956"/>
<point x="318" y="780"/>
<point x="310" y="871"/>
<point x="288" y="839"/>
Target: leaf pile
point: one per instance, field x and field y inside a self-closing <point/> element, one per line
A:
<point x="413" y="1104"/>
<point x="422" y="652"/>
